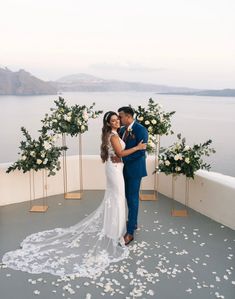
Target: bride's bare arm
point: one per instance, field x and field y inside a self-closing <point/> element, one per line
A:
<point x="123" y="153"/>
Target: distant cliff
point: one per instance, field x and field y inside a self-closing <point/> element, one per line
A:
<point x="210" y="92"/>
<point x="85" y="82"/>
<point x="23" y="83"/>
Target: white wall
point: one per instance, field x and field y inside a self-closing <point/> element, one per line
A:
<point x="211" y="194"/>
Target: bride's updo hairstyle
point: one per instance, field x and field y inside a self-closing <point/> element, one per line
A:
<point x="106" y="130"/>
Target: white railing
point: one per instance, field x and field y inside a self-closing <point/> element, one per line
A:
<point x="210" y="193"/>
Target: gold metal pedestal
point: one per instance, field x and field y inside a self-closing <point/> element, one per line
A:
<point x="180" y="212"/>
<point x="154" y="193"/>
<point x="72" y="195"/>
<point x="38" y="208"/>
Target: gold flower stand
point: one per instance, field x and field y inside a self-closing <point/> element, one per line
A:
<point x="38" y="208"/>
<point x="180" y="212"/>
<point x="79" y="194"/>
<point x="153" y="195"/>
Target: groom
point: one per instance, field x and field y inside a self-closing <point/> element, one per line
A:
<point x="134" y="169"/>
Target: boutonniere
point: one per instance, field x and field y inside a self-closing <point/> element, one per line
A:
<point x="132" y="135"/>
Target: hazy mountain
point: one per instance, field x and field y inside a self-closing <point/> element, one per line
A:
<point x="23" y="83"/>
<point x="210" y="92"/>
<point x="85" y="82"/>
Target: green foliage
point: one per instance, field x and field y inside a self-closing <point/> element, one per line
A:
<point x="71" y="120"/>
<point x="38" y="154"/>
<point x="157" y="121"/>
<point x="180" y="158"/>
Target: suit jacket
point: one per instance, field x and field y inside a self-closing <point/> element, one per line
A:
<point x="135" y="164"/>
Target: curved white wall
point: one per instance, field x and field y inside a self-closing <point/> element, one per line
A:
<point x="211" y="194"/>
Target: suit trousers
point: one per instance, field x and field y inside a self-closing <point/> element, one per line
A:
<point x="132" y="188"/>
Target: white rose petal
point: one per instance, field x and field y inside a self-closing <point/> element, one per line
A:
<point x="36" y="292"/>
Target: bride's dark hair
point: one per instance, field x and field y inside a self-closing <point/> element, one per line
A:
<point x="106" y="130"/>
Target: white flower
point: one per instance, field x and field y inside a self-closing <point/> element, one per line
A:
<point x="176" y="157"/>
<point x="54" y="120"/>
<point x="46" y="145"/>
<point x="82" y="127"/>
<point x="177" y="168"/>
<point x="151" y="143"/>
<point x="154" y="121"/>
<point x="140" y="118"/>
<point x="187" y="147"/>
<point x="32" y="153"/>
<point x="69" y="113"/>
<point x="167" y="162"/>
<point x="85" y="115"/>
<point x="150" y="129"/>
<point x="187" y="160"/>
<point x="43" y="155"/>
<point x="39" y="161"/>
<point x="147" y="122"/>
<point x="67" y="118"/>
<point x="45" y="161"/>
<point x="23" y="157"/>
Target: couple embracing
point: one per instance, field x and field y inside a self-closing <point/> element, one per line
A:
<point x="86" y="248"/>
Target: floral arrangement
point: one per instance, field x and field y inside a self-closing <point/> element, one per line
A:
<point x="155" y="120"/>
<point x="180" y="158"/>
<point x="38" y="154"/>
<point x="70" y="120"/>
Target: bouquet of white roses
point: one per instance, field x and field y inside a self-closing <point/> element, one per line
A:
<point x="157" y="122"/>
<point x="38" y="154"/>
<point x="70" y="120"/>
<point x="181" y="158"/>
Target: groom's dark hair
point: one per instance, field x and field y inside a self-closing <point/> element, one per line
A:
<point x="127" y="110"/>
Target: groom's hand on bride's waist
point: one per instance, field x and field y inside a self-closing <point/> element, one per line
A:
<point x="116" y="159"/>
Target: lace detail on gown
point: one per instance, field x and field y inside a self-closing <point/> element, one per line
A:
<point x="86" y="248"/>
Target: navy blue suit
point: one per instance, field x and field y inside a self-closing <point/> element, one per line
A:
<point x="133" y="171"/>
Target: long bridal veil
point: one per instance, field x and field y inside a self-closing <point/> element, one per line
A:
<point x="84" y="249"/>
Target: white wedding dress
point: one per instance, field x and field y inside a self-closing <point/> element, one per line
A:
<point x="86" y="248"/>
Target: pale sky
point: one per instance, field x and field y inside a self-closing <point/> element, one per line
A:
<point x="172" y="42"/>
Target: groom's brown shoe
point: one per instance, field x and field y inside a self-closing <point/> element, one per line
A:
<point x="128" y="238"/>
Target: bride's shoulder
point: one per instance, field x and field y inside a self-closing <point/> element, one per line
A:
<point x="114" y="133"/>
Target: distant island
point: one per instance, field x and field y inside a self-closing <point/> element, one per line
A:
<point x="23" y="83"/>
<point x="210" y="92"/>
<point x="85" y="82"/>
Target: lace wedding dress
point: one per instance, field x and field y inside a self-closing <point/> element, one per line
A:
<point x="86" y="248"/>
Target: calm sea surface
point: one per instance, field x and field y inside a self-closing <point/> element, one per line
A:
<point x="197" y="118"/>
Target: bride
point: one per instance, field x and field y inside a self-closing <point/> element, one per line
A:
<point x="88" y="247"/>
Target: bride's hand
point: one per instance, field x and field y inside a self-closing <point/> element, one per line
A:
<point x="141" y="145"/>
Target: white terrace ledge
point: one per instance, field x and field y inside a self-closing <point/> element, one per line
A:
<point x="211" y="194"/>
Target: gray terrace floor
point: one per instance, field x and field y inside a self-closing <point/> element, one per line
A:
<point x="171" y="257"/>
